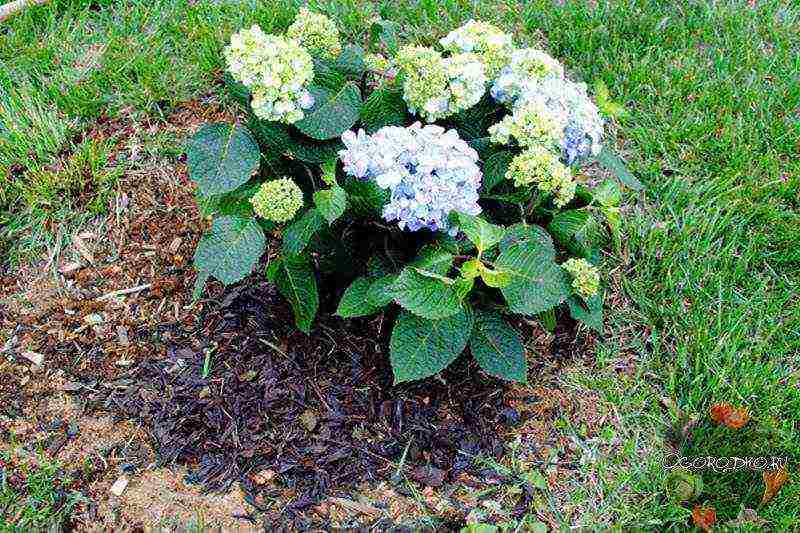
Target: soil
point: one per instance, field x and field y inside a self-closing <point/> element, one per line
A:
<point x="221" y="409"/>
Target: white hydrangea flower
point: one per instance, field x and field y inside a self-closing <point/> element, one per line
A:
<point x="435" y="87"/>
<point x="492" y="46"/>
<point x="557" y="114"/>
<point x="428" y="171"/>
<point x="527" y="66"/>
<point x="276" y="70"/>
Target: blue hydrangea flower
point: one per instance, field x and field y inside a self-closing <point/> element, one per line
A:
<point x="428" y="171"/>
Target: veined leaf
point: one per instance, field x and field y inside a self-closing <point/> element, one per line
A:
<point x="230" y="250"/>
<point x="355" y="300"/>
<point x="221" y="157"/>
<point x="331" y="203"/>
<point x="481" y="233"/>
<point x="383" y="107"/>
<point x="425" y="296"/>
<point x="494" y="169"/>
<point x="334" y="116"/>
<point x="420" y="347"/>
<point x="613" y="163"/>
<point x="497" y="347"/>
<point x="297" y="282"/>
<point x="297" y="236"/>
<point x="590" y="311"/>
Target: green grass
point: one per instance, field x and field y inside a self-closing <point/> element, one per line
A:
<point x="709" y="271"/>
<point x="35" y="497"/>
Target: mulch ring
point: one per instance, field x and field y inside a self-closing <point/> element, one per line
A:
<point x="295" y="418"/>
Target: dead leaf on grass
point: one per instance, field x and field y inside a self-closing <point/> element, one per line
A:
<point x="727" y="414"/>
<point x="704" y="517"/>
<point x="773" y="481"/>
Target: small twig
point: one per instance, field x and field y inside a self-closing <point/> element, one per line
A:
<point x="6" y="10"/>
<point x="122" y="292"/>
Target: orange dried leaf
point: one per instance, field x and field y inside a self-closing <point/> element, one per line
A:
<point x="720" y="411"/>
<point x="704" y="517"/>
<point x="737" y="418"/>
<point x="733" y="417"/>
<point x="773" y="481"/>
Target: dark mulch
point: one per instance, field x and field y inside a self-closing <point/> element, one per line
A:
<point x="320" y="411"/>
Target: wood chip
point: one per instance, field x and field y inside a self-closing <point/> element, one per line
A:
<point x="70" y="268"/>
<point x="119" y="486"/>
<point x="34" y="357"/>
<point x="356" y="506"/>
<point x="82" y="249"/>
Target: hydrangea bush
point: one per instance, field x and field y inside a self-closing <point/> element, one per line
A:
<point x="443" y="186"/>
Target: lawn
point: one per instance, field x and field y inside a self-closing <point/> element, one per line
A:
<point x="705" y="305"/>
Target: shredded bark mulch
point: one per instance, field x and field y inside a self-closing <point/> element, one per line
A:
<point x="247" y="394"/>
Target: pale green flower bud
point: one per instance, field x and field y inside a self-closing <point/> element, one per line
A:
<point x="317" y="33"/>
<point x="585" y="277"/>
<point x="542" y="167"/>
<point x="277" y="200"/>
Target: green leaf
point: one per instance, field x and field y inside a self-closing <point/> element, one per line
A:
<point x="607" y="194"/>
<point x="604" y="102"/>
<point x="273" y="137"/>
<point x="297" y="282"/>
<point x="613" y="163"/>
<point x="237" y="91"/>
<point x="364" y="198"/>
<point x="434" y="259"/>
<point x="424" y="295"/>
<point x="221" y="157"/>
<point x="481" y="233"/>
<point x="496" y="278"/>
<point x="231" y="249"/>
<point x="548" y="319"/>
<point x="589" y="312"/>
<point x="494" y="169"/>
<point x="351" y="61"/>
<point x="463" y="286"/>
<point x="537" y="235"/>
<point x="329" y="172"/>
<point x="420" y="347"/>
<point x="311" y="151"/>
<point x="233" y="203"/>
<point x="385" y="33"/>
<point x="381" y="291"/>
<point x="331" y="203"/>
<point x="383" y="107"/>
<point x="334" y="116"/>
<point x="578" y="231"/>
<point x="537" y="282"/>
<point x="297" y="236"/>
<point x="497" y="347"/>
<point x="355" y="300"/>
<point x="327" y="76"/>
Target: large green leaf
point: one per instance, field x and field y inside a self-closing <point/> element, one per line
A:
<point x="331" y="203"/>
<point x="365" y="198"/>
<point x="590" y="311"/>
<point x="355" y="300"/>
<point x="613" y="163"/>
<point x="420" y="347"/>
<point x="351" y="61"/>
<point x="230" y="250"/>
<point x="434" y="259"/>
<point x="481" y="233"/>
<point x="221" y="157"/>
<point x="297" y="236"/>
<point x="426" y="296"/>
<point x="327" y="76"/>
<point x="297" y="282"/>
<point x="237" y="91"/>
<point x="381" y="291"/>
<point x="532" y="233"/>
<point x="384" y="33"/>
<point x="335" y="116"/>
<point x="497" y="347"/>
<point x="383" y="107"/>
<point x="537" y="282"/>
<point x="578" y="231"/>
<point x="494" y="169"/>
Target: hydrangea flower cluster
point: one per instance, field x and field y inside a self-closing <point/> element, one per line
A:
<point x="585" y="277"/>
<point x="542" y="167"/>
<point x="528" y="66"/>
<point x="316" y="33"/>
<point x="532" y="123"/>
<point x="582" y="132"/>
<point x="276" y="70"/>
<point x="277" y="200"/>
<point x="488" y="42"/>
<point x="435" y="87"/>
<point x="428" y="171"/>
